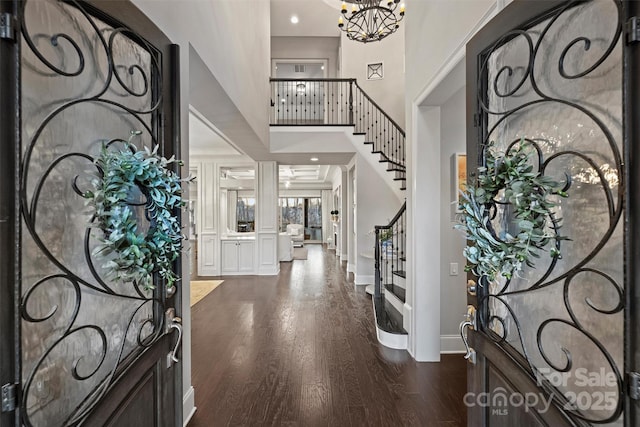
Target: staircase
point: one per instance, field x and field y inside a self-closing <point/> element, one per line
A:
<point x="342" y="102"/>
<point x="390" y="280"/>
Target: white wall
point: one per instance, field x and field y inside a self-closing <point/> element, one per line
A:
<point x="452" y="288"/>
<point x="376" y="204"/>
<point x="239" y="65"/>
<point x="388" y="92"/>
<point x="307" y="48"/>
<point x="435" y="32"/>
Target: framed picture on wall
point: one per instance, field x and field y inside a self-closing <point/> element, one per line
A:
<point x="459" y="176"/>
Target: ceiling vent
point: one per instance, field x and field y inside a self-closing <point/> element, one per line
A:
<point x="300" y="68"/>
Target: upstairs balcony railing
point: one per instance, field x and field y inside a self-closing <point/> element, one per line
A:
<point x="338" y="102"/>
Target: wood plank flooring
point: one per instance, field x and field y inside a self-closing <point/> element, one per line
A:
<point x="300" y="349"/>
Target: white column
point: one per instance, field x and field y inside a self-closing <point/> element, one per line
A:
<point x="208" y="212"/>
<point x="344" y="215"/>
<point x="327" y="207"/>
<point x="350" y="216"/>
<point x="267" y="218"/>
<point x="422" y="308"/>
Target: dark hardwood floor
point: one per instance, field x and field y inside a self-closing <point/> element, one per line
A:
<point x="300" y="349"/>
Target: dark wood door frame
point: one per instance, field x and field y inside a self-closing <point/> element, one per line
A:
<point x="9" y="217"/>
<point x="631" y="93"/>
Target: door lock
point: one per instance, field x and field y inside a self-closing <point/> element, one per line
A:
<point x="472" y="288"/>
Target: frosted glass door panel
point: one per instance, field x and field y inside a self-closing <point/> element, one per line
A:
<point x="557" y="89"/>
<point x="84" y="83"/>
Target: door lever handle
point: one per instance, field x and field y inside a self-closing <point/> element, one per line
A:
<point x="176" y="323"/>
<point x="469" y="322"/>
<point x="173" y="322"/>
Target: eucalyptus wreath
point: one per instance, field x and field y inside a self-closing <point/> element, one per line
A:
<point x="509" y="179"/>
<point x="132" y="255"/>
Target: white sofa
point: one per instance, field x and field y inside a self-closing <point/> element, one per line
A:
<point x="296" y="231"/>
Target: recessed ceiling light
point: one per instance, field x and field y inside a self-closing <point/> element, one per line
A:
<point x="314" y="159"/>
<point x="322" y="68"/>
<point x="294" y="19"/>
<point x="287" y="184"/>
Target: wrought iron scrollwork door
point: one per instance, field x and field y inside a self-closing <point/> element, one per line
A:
<point x="90" y="349"/>
<point x="549" y="343"/>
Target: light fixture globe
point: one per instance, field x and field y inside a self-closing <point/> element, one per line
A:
<point x="370" y="20"/>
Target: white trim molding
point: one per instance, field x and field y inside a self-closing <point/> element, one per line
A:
<point x="451" y="344"/>
<point x="188" y="406"/>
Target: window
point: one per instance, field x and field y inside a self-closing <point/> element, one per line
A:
<point x="291" y="211"/>
<point x="313" y="226"/>
<point x="306" y="211"/>
<point x="246" y="213"/>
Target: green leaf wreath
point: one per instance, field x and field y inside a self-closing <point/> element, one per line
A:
<point x="509" y="179"/>
<point x="137" y="256"/>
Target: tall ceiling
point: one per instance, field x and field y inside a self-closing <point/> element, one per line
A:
<point x="317" y="18"/>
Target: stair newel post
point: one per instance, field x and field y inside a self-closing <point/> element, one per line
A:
<point x="377" y="264"/>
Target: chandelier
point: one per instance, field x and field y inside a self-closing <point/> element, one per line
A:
<point x="370" y="20"/>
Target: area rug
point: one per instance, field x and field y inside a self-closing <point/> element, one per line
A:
<point x="300" y="253"/>
<point x="202" y="288"/>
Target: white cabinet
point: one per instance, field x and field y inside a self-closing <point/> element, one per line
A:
<point x="237" y="256"/>
<point x="245" y="257"/>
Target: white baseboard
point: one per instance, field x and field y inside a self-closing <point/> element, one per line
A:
<point x="451" y="344"/>
<point x="270" y="270"/>
<point x="361" y="279"/>
<point x="188" y="406"/>
<point x="351" y="268"/>
<point x="344" y="257"/>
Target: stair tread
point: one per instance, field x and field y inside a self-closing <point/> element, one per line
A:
<point x="400" y="273"/>
<point x="399" y="179"/>
<point x="403" y="258"/>
<point x="396" y="290"/>
<point x="362" y="133"/>
<point x="387" y="317"/>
